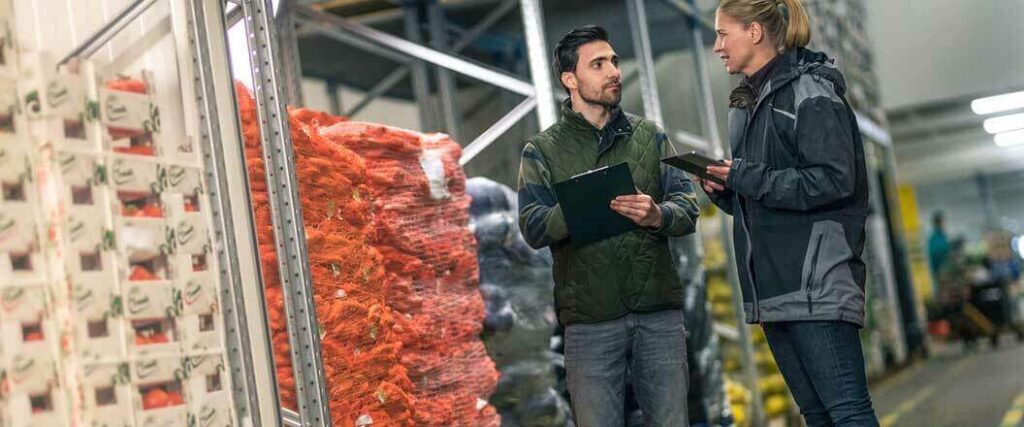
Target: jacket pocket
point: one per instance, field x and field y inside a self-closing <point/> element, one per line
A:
<point x="827" y="252"/>
<point x="814" y="249"/>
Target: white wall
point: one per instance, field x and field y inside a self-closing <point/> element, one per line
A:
<point x="927" y="50"/>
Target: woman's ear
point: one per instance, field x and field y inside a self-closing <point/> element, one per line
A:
<point x="756" y="32"/>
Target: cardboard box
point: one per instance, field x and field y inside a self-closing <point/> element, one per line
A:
<point x="131" y="122"/>
<point x="209" y="391"/>
<point x="154" y="337"/>
<point x="106" y="394"/>
<point x="160" y="395"/>
<point x="83" y="177"/>
<point x="23" y="303"/>
<point x="29" y="340"/>
<point x="43" y="408"/>
<point x="145" y="250"/>
<point x="99" y="327"/>
<point x="32" y="370"/>
<point x="137" y="186"/>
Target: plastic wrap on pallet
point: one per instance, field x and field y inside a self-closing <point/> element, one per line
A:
<point x="517" y="285"/>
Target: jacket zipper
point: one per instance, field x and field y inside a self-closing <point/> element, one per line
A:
<point x="814" y="268"/>
<point x="750" y="264"/>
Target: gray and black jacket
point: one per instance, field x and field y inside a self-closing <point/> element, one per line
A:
<point x="799" y="195"/>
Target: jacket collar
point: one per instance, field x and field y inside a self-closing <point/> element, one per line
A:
<point x="617" y="126"/>
<point x="618" y="122"/>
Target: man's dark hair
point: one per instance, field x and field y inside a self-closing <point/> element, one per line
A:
<point x="567" y="53"/>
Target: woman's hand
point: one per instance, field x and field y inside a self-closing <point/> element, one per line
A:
<point x="720" y="172"/>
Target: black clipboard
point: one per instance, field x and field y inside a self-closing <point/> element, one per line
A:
<point x="696" y="164"/>
<point x="585" y="200"/>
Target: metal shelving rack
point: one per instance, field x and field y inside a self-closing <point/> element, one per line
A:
<point x="200" y="28"/>
<point x="275" y="73"/>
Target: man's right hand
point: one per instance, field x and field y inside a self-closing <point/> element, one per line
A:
<point x="711" y="186"/>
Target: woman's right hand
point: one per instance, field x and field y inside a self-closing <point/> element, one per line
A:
<point x="711" y="186"/>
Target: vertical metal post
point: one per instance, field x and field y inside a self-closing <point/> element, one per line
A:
<point x="286" y="212"/>
<point x="540" y="68"/>
<point x="879" y="238"/>
<point x="445" y="80"/>
<point x="721" y="150"/>
<point x="333" y="97"/>
<point x="250" y="355"/>
<point x="644" y="60"/>
<point x="420" y="81"/>
<point x="288" y="43"/>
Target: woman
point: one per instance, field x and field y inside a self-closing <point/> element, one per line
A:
<point x="797" y="189"/>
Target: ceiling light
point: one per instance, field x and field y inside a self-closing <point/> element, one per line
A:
<point x="1010" y="139"/>
<point x="998" y="103"/>
<point x="1004" y="123"/>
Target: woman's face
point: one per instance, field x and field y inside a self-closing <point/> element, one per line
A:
<point x="734" y="43"/>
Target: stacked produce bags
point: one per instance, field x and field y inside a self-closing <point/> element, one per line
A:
<point x="517" y="286"/>
<point x="393" y="268"/>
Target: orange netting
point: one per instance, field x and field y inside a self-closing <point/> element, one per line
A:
<point x="421" y="217"/>
<point x="394" y="273"/>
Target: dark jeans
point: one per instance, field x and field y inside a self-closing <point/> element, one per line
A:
<point x="651" y="347"/>
<point x="823" y="365"/>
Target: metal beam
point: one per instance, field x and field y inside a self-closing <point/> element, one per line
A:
<point x="420" y="79"/>
<point x="645" y="61"/>
<point x="110" y="29"/>
<point x="496" y="130"/>
<point x="445" y="81"/>
<point x="249" y="351"/>
<point x="396" y="76"/>
<point x="462" y="66"/>
<point x="286" y="213"/>
<point x="540" y="69"/>
<point x="288" y="47"/>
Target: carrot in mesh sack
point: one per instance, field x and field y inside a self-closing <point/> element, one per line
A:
<point x="361" y="343"/>
<point x="430" y="258"/>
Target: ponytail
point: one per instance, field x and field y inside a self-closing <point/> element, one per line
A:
<point x="798" y="27"/>
<point x="785" y="21"/>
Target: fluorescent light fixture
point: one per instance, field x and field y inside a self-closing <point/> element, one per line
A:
<point x="1010" y="139"/>
<point x="998" y="103"/>
<point x="1004" y="123"/>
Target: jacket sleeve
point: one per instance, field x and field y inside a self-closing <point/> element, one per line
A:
<point x="540" y="217"/>
<point x="824" y="141"/>
<point x="723" y="199"/>
<point x="679" y="210"/>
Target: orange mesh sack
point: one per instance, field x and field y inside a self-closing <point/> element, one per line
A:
<point x="421" y="215"/>
<point x="362" y="337"/>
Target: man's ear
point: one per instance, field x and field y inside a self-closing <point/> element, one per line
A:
<point x="756" y="32"/>
<point x="569" y="81"/>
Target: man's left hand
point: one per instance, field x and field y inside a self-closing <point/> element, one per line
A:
<point x="640" y="208"/>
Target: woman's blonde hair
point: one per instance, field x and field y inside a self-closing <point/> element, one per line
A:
<point x="785" y="21"/>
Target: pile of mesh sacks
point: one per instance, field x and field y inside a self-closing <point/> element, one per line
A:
<point x="394" y="272"/>
<point x="517" y="286"/>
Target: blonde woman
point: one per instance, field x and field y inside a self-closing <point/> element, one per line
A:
<point x="797" y="189"/>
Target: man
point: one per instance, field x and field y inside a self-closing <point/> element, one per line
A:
<point x="938" y="249"/>
<point x="619" y="299"/>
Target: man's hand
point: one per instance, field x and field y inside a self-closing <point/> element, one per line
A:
<point x="720" y="172"/>
<point x="640" y="208"/>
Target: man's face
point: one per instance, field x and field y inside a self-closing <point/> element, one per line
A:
<point x="734" y="43"/>
<point x="597" y="79"/>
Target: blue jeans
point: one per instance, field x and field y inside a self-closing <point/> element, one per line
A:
<point x="823" y="365"/>
<point x="651" y="347"/>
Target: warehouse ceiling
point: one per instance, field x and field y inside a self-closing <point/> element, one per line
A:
<point x="501" y="47"/>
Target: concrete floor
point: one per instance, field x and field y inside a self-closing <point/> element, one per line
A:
<point x="983" y="387"/>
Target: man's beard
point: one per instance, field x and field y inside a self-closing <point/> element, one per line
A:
<point x="603" y="95"/>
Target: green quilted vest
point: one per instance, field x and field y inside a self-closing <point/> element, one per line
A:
<point x="632" y="272"/>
